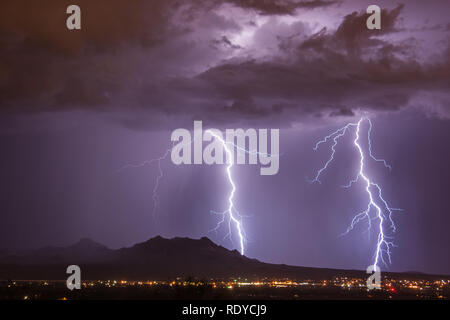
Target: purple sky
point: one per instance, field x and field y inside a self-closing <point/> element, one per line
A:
<point x="77" y="106"/>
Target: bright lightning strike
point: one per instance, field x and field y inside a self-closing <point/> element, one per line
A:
<point x="376" y="203"/>
<point x="232" y="213"/>
<point x="234" y="218"/>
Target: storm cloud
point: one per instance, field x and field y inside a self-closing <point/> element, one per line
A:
<point x="224" y="61"/>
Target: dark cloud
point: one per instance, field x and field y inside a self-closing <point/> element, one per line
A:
<point x="161" y="60"/>
<point x="342" y="112"/>
<point x="325" y="71"/>
<point x="289" y="7"/>
<point x="354" y="34"/>
<point x="226" y="42"/>
<point x="107" y="24"/>
<point x="46" y="66"/>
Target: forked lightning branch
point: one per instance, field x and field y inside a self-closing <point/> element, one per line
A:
<point x="377" y="214"/>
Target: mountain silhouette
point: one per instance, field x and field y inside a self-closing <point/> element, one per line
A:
<point x="156" y="259"/>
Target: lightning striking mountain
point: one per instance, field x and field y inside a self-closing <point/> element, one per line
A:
<point x="233" y="215"/>
<point x="376" y="203"/>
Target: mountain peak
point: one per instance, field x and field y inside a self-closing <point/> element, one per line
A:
<point x="158" y="238"/>
<point x="206" y="239"/>
<point x="87" y="243"/>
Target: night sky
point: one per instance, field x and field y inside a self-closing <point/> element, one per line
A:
<point x="77" y="106"/>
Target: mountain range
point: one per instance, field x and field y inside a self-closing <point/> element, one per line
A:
<point x="159" y="259"/>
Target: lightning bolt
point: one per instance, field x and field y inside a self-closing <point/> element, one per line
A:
<point x="160" y="175"/>
<point x="376" y="203"/>
<point x="233" y="215"/>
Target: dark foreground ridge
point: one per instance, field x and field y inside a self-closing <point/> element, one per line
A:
<point x="159" y="259"/>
